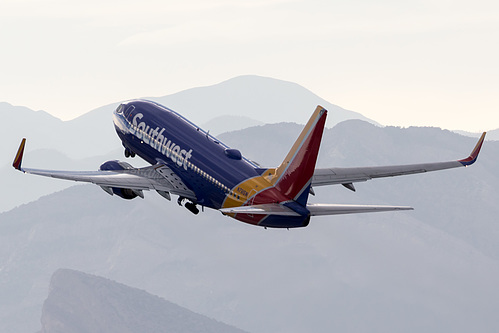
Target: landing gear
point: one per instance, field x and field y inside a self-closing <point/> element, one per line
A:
<point x="129" y="153"/>
<point x="192" y="208"/>
<point x="189" y="205"/>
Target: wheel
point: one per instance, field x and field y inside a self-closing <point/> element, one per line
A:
<point x="192" y="208"/>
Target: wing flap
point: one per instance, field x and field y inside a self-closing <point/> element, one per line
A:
<point x="136" y="179"/>
<point x="101" y="178"/>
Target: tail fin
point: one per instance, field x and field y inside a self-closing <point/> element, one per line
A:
<point x="293" y="177"/>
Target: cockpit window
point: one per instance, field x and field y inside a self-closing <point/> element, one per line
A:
<point x="120" y="108"/>
<point x="129" y="110"/>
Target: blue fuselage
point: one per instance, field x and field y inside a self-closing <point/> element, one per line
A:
<point x="159" y="135"/>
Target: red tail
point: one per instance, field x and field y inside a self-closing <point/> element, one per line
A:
<point x="294" y="175"/>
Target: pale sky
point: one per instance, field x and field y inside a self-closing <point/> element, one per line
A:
<point x="430" y="62"/>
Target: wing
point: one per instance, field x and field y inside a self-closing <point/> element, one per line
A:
<point x="158" y="177"/>
<point x="348" y="176"/>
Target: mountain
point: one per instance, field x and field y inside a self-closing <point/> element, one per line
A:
<point x="79" y="302"/>
<point x="234" y="104"/>
<point x="83" y="137"/>
<point x="434" y="269"/>
<point x="241" y="102"/>
<point x="357" y="143"/>
<point x="26" y="188"/>
<point x="54" y="144"/>
<point x="264" y="99"/>
<point x="491" y="135"/>
<point x="228" y="123"/>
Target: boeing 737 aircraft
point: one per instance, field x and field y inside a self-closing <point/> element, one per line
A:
<point x="202" y="171"/>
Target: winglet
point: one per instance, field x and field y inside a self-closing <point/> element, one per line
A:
<point x="474" y="154"/>
<point x="19" y="156"/>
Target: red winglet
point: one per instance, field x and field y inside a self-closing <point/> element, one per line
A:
<point x="474" y="154"/>
<point x="19" y="156"/>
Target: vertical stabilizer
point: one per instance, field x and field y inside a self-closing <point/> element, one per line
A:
<point x="294" y="175"/>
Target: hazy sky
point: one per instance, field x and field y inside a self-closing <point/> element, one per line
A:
<point x="398" y="62"/>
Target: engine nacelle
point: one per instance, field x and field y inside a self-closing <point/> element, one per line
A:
<point x="125" y="193"/>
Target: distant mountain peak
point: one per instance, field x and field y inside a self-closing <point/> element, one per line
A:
<point x="265" y="99"/>
<point x="257" y="79"/>
<point x="20" y="113"/>
<point x="80" y="302"/>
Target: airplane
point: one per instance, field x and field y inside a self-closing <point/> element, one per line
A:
<point x="202" y="171"/>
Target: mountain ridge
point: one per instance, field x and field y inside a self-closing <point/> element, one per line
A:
<point x="419" y="270"/>
<point x="256" y="97"/>
<point x="80" y="302"/>
<point x="263" y="99"/>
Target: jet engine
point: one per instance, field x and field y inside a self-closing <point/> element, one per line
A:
<point x="125" y="193"/>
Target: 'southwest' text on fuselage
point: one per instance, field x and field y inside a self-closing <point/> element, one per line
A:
<point x="155" y="138"/>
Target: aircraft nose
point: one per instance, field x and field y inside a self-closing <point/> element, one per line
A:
<point x="120" y="116"/>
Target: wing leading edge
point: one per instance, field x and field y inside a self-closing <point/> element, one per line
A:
<point x="348" y="176"/>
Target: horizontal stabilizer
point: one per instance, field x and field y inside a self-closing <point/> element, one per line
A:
<point x="333" y="209"/>
<point x="265" y="209"/>
<point x="315" y="209"/>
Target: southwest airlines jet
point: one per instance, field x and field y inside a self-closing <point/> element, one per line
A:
<point x="202" y="171"/>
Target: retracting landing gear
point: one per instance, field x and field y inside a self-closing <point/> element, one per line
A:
<point x="192" y="208"/>
<point x="129" y="153"/>
<point x="189" y="205"/>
